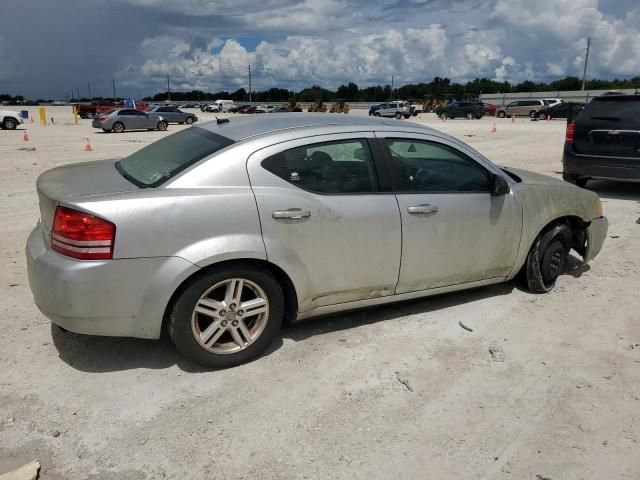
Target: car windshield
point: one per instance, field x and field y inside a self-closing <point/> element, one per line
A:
<point x="156" y="163"/>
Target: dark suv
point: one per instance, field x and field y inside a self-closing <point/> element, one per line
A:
<point x="463" y="109"/>
<point x="604" y="141"/>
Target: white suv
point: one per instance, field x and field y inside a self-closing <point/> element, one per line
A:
<point x="10" y="119"/>
<point x="397" y="109"/>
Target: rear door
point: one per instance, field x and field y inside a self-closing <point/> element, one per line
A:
<point x="609" y="126"/>
<point x="325" y="220"/>
<point x="129" y="118"/>
<point x="453" y="230"/>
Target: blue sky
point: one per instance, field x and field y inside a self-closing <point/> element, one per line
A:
<point x="48" y="48"/>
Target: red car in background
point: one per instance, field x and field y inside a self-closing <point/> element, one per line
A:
<point x="249" y="110"/>
<point x="490" y="108"/>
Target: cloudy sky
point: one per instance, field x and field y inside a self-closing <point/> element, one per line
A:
<point x="49" y="47"/>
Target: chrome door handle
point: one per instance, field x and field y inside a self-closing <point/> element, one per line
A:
<point x="424" y="209"/>
<point x="291" y="213"/>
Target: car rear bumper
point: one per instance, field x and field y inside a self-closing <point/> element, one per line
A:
<point x="619" y="168"/>
<point x="123" y="298"/>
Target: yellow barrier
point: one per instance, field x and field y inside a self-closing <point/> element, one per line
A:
<point x="74" y="108"/>
<point x="43" y="115"/>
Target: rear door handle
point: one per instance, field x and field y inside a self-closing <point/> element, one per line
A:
<point x="424" y="209"/>
<point x="291" y="213"/>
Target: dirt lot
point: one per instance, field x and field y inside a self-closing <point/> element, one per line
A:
<point x="326" y="401"/>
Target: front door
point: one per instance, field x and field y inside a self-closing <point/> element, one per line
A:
<point x="453" y="230"/>
<point x="325" y="221"/>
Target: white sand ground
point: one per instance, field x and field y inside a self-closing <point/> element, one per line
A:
<point x="325" y="402"/>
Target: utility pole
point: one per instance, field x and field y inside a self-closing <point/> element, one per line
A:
<point x="586" y="61"/>
<point x="89" y="88"/>
<point x="113" y="81"/>
<point x="168" y="89"/>
<point x="78" y="92"/>
<point x="392" y="87"/>
<point x="250" y="84"/>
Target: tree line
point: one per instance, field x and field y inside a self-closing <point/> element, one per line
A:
<point x="438" y="88"/>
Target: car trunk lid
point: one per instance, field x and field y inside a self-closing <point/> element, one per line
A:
<point x="72" y="182"/>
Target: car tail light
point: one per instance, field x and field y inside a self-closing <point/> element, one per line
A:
<point x="102" y="118"/>
<point x="81" y="235"/>
<point x="571" y="128"/>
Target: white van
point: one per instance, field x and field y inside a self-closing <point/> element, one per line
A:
<point x="221" y="106"/>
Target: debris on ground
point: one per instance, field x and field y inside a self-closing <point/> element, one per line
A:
<point x="26" y="472"/>
<point x="8" y="422"/>
<point x="638" y="220"/>
<point x="542" y="477"/>
<point x="497" y="354"/>
<point x="404" y="382"/>
<point x="614" y="236"/>
<point x="465" y="327"/>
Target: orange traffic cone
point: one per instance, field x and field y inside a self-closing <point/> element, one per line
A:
<point x="25" y="137"/>
<point x="87" y="147"/>
<point x="513" y="119"/>
<point x="548" y="117"/>
<point x="494" y="130"/>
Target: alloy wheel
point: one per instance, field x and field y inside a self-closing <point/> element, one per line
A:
<point x="230" y="316"/>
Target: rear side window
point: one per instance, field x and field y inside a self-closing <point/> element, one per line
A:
<point x="156" y="163"/>
<point x="343" y="166"/>
<point x="617" y="110"/>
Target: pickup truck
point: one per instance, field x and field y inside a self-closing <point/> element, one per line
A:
<point x="9" y="119"/>
<point x="89" y="111"/>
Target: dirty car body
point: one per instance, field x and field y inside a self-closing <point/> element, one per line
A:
<point x="239" y="225"/>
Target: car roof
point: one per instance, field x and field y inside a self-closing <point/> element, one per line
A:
<point x="241" y="128"/>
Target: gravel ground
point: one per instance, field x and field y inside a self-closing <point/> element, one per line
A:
<point x="328" y="399"/>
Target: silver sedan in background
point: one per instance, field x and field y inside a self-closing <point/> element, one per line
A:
<point x="119" y="120"/>
<point x="220" y="233"/>
<point x="174" y="115"/>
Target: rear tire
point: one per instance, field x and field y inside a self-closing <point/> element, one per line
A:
<point x="162" y="126"/>
<point x="469" y="116"/>
<point x="237" y="337"/>
<point x="532" y="114"/>
<point x="542" y="116"/>
<point x="501" y="114"/>
<point x="547" y="258"/>
<point x="89" y="115"/>
<point x="189" y="120"/>
<point x="117" y="127"/>
<point x="398" y="115"/>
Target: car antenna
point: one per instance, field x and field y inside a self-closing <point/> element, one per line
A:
<point x="220" y="121"/>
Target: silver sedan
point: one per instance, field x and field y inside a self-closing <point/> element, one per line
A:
<point x="122" y="119"/>
<point x="220" y="233"/>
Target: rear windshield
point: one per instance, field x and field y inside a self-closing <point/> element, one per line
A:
<point x="156" y="163"/>
<point x="621" y="109"/>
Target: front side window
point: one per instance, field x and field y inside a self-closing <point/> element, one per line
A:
<point x="343" y="166"/>
<point x="422" y="166"/>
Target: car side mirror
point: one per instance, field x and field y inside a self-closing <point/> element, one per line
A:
<point x="499" y="186"/>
